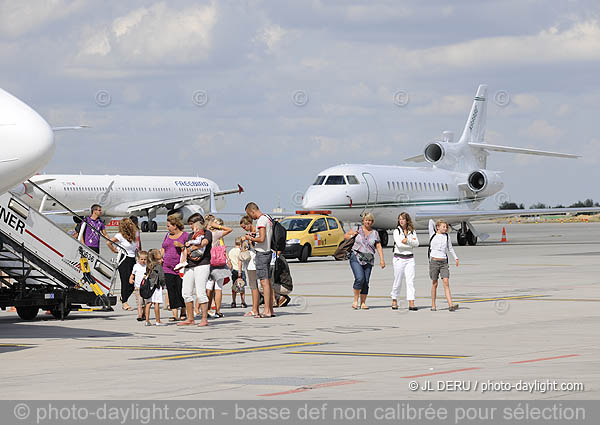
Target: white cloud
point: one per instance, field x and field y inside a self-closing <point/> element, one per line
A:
<point x="446" y="105"/>
<point x="580" y="42"/>
<point x="272" y="36"/>
<point x="526" y="102"/>
<point x="155" y="35"/>
<point x="543" y="131"/>
<point x="563" y="110"/>
<point x="21" y="17"/>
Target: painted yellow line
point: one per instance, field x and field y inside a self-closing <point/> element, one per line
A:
<point x="17" y="345"/>
<point x="476" y="300"/>
<point x="343" y="353"/>
<point x="159" y="348"/>
<point x="241" y="350"/>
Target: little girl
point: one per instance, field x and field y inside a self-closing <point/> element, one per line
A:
<point x="156" y="277"/>
<point x="196" y="241"/>
<point x="137" y="275"/>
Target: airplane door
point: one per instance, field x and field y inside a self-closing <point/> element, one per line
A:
<point x="372" y="192"/>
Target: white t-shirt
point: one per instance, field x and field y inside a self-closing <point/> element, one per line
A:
<point x="265" y="223"/>
<point x="130" y="247"/>
<point x="138" y="273"/>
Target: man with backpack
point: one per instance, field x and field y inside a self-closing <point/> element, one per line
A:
<point x="262" y="241"/>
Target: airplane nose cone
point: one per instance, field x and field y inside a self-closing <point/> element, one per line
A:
<point x="27" y="141"/>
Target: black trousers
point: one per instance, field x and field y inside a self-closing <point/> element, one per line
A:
<point x="174" y="284"/>
<point x="125" y="270"/>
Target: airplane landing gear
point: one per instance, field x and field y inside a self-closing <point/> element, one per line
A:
<point x="153" y="226"/>
<point x="465" y="236"/>
<point x="150" y="225"/>
<point x="383" y="237"/>
<point x="144" y="226"/>
<point x="471" y="238"/>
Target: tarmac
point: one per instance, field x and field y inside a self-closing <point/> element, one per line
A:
<point x="528" y="319"/>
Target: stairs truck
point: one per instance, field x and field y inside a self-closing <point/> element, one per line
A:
<point x="43" y="267"/>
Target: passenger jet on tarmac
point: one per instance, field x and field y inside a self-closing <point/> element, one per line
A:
<point x="452" y="188"/>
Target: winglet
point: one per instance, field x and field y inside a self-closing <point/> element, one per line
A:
<point x="240" y="189"/>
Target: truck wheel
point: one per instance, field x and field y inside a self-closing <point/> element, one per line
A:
<point x="305" y="254"/>
<point x="28" y="312"/>
<point x="56" y="313"/>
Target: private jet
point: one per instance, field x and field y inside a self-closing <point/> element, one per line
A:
<point x="451" y="188"/>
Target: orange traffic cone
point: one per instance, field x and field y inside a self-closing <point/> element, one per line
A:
<point x="503" y="235"/>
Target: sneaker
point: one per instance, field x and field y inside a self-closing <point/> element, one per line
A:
<point x="244" y="305"/>
<point x="180" y="266"/>
<point x="148" y="324"/>
<point x="233" y="304"/>
<point x="161" y="324"/>
<point x="211" y="315"/>
<point x="218" y="315"/>
<point x="140" y="319"/>
<point x="284" y="300"/>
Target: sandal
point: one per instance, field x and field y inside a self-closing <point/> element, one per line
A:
<point x="364" y="307"/>
<point x="250" y="314"/>
<point x="173" y="319"/>
<point x="186" y="323"/>
<point x="394" y="306"/>
<point x="433" y="309"/>
<point x="355" y="306"/>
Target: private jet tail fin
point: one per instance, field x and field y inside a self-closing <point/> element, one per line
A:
<point x="475" y="126"/>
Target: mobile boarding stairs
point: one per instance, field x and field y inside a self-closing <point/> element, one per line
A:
<point x="42" y="266"/>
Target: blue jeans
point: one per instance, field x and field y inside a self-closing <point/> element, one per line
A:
<point x="362" y="274"/>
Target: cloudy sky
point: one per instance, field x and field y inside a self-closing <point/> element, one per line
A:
<point x="268" y="93"/>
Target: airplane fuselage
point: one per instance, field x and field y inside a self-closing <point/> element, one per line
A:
<point x="349" y="190"/>
<point x="116" y="194"/>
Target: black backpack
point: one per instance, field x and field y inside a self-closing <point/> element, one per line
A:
<point x="431" y="238"/>
<point x="278" y="236"/>
<point x="146" y="289"/>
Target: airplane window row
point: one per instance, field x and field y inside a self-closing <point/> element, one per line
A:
<point x="335" y="180"/>
<point x="125" y="189"/>
<point x="418" y="186"/>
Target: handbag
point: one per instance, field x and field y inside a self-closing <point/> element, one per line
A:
<point x="218" y="254"/>
<point x="344" y="250"/>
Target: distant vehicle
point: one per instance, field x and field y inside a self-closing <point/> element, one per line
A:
<point x="452" y="188"/>
<point x="312" y="234"/>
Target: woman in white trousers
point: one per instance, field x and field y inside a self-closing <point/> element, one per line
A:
<point x="405" y="240"/>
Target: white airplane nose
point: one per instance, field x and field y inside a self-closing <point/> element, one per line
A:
<point x="27" y="141"/>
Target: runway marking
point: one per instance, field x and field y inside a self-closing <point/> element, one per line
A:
<point x="546" y="358"/>
<point x="542" y="265"/>
<point x="360" y="354"/>
<point x="18" y="345"/>
<point x="464" y="300"/>
<point x="310" y="387"/>
<point x="440" y="373"/>
<point x="516" y="297"/>
<point x="205" y="352"/>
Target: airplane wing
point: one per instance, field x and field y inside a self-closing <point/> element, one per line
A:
<point x="65" y="212"/>
<point x="177" y="201"/>
<point x="459" y="216"/>
<point x="417" y="158"/>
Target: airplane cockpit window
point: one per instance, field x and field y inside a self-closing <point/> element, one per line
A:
<point x="335" y="180"/>
<point x="319" y="181"/>
<point x="352" y="180"/>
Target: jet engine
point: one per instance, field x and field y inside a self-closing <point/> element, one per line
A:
<point x="484" y="183"/>
<point x="434" y="152"/>
<point x="186" y="211"/>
